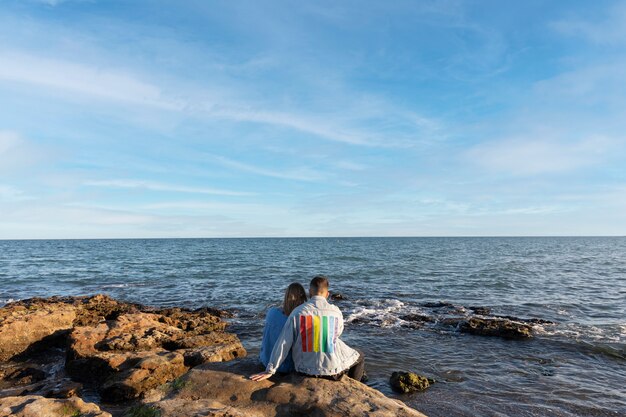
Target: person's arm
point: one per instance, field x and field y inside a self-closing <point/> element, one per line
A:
<point x="265" y="350"/>
<point x="280" y="351"/>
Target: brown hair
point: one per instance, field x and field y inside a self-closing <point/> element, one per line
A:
<point x="318" y="284"/>
<point x="294" y="296"/>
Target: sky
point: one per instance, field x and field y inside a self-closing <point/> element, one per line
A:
<point x="197" y="118"/>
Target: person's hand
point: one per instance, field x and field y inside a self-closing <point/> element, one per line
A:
<point x="261" y="376"/>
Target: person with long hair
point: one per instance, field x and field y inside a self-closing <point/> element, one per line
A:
<point x="275" y="319"/>
<point x="312" y="334"/>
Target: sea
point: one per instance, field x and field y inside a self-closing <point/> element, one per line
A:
<point x="575" y="365"/>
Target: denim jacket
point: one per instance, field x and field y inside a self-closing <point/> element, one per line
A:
<point x="311" y="334"/>
<point x="274" y="323"/>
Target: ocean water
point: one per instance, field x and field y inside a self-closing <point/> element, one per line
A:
<point x="574" y="366"/>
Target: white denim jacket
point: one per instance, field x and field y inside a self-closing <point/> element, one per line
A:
<point x="312" y="334"/>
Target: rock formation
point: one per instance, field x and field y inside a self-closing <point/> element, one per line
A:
<point x="406" y="382"/>
<point x="37" y="406"/>
<point x="49" y="346"/>
<point x="168" y="362"/>
<point x="223" y="389"/>
<point x="505" y="328"/>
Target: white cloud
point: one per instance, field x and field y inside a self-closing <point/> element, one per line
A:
<point x="301" y="174"/>
<point x="75" y="79"/>
<point x="157" y="186"/>
<point x="609" y="30"/>
<point x="81" y="79"/>
<point x="536" y="155"/>
<point x="9" y="193"/>
<point x="16" y="153"/>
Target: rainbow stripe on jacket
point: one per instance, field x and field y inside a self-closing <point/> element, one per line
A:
<point x="318" y="333"/>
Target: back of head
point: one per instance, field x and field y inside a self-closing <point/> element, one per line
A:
<point x="294" y="296"/>
<point x="319" y="285"/>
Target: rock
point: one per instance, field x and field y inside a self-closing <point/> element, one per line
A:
<point x="24" y="324"/>
<point x="148" y="373"/>
<point x="98" y="308"/>
<point x="137" y="351"/>
<point x="223" y="314"/>
<point x="438" y="304"/>
<point x="481" y="311"/>
<point x="406" y="382"/>
<point x="225" y="390"/>
<point x="532" y="321"/>
<point x="24" y="376"/>
<point x="335" y="296"/>
<point x="496" y="327"/>
<point x="122" y="348"/>
<point x="417" y="318"/>
<point x="37" y="406"/>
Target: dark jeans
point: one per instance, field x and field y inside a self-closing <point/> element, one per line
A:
<point x="356" y="371"/>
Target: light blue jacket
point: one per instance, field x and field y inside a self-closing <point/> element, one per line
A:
<point x="274" y="322"/>
<point x="311" y="335"/>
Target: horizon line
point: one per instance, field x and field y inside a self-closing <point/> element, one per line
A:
<point x="318" y="237"/>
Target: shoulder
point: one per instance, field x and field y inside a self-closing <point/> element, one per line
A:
<point x="298" y="310"/>
<point x="334" y="308"/>
<point x="274" y="312"/>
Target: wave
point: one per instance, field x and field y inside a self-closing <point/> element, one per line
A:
<point x="448" y="317"/>
<point x="5" y="301"/>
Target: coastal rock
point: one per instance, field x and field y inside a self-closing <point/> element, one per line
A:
<point x="121" y="349"/>
<point x="504" y="328"/>
<point x="406" y="382"/>
<point x="337" y="296"/>
<point x="531" y="321"/>
<point x="481" y="311"/>
<point x="37" y="406"/>
<point x="116" y="345"/>
<point x="415" y="321"/>
<point x="225" y="390"/>
<point x="148" y="373"/>
<point x="137" y="351"/>
<point x="24" y="324"/>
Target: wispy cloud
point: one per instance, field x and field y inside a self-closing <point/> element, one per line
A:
<point x="17" y="153"/>
<point x="540" y="155"/>
<point x="301" y="174"/>
<point x="157" y="186"/>
<point x="105" y="83"/>
<point x="609" y="29"/>
<point x="9" y="193"/>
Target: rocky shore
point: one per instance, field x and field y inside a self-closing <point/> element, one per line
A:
<point x="96" y="356"/>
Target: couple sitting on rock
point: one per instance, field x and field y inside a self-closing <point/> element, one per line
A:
<point x="303" y="336"/>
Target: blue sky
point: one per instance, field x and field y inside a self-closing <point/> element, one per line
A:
<point x="279" y="118"/>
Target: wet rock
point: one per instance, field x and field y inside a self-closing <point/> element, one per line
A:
<point x="337" y="296"/>
<point x="438" y="304"/>
<point x="532" y="320"/>
<point x="37" y="406"/>
<point x="415" y="321"/>
<point x="23" y="376"/>
<point x="417" y="318"/>
<point x="482" y="311"/>
<point x="504" y="328"/>
<point x="406" y="382"/>
<point x="226" y="390"/>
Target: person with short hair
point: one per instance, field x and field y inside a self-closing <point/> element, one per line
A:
<point x="275" y="320"/>
<point x="311" y="334"/>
